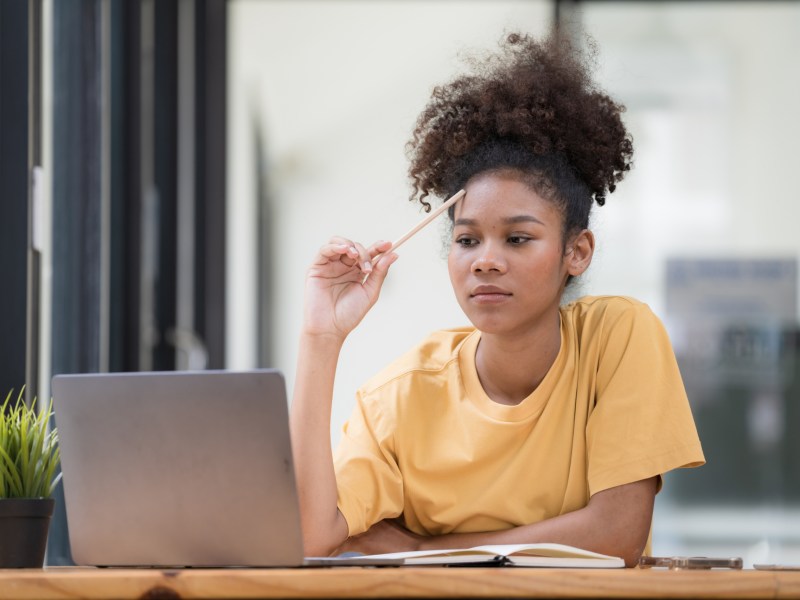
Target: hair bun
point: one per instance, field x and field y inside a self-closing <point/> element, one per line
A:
<point x="540" y="95"/>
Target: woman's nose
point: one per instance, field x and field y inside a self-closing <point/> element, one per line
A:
<point x="488" y="260"/>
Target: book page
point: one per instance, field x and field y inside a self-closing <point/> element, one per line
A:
<point x="542" y="549"/>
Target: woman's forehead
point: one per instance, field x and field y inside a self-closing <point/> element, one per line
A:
<point x="500" y="196"/>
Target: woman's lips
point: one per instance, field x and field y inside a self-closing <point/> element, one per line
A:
<point x="489" y="294"/>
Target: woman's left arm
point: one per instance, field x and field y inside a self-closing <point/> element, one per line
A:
<point x="616" y="522"/>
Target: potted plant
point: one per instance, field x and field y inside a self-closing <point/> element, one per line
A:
<point x="29" y="461"/>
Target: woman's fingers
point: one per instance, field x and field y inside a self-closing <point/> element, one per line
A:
<point x="338" y="250"/>
<point x="374" y="281"/>
<point x="351" y="253"/>
<point x="364" y="258"/>
<point x="379" y="248"/>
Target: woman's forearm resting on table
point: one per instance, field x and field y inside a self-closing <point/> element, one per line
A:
<point x="614" y="522"/>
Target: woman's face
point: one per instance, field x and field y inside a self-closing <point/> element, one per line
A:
<point x="507" y="262"/>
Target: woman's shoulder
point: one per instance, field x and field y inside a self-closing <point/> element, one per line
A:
<point x="591" y="312"/>
<point x="430" y="358"/>
<point x="604" y="304"/>
<point x="606" y="329"/>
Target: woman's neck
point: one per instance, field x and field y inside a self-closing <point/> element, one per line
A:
<point x="511" y="367"/>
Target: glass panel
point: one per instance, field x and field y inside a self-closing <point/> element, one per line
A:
<point x="322" y="99"/>
<point x="704" y="230"/>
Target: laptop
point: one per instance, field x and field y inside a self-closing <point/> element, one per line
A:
<point x="179" y="469"/>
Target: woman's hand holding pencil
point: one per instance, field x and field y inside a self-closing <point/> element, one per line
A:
<point x="346" y="277"/>
<point x="337" y="295"/>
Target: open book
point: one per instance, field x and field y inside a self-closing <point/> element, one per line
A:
<point x="515" y="555"/>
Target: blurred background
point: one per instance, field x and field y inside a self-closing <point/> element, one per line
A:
<point x="169" y="169"/>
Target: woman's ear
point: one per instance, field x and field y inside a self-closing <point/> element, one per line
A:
<point x="579" y="253"/>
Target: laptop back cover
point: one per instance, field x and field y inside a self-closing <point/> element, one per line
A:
<point x="178" y="469"/>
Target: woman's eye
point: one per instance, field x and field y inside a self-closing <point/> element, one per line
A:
<point x="518" y="239"/>
<point x="465" y="241"/>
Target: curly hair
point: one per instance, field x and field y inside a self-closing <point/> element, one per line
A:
<point x="532" y="108"/>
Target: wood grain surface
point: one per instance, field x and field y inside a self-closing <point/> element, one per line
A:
<point x="360" y="582"/>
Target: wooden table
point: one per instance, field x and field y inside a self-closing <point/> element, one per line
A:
<point x="406" y="582"/>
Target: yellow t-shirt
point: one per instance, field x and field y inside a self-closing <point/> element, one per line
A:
<point x="427" y="444"/>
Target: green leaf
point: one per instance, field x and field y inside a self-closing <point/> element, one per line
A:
<point x="8" y="467"/>
<point x="29" y="453"/>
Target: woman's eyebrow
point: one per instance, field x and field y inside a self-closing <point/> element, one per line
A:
<point x="522" y="219"/>
<point x="508" y="220"/>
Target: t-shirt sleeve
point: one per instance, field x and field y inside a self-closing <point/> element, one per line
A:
<point x="370" y="486"/>
<point x="641" y="424"/>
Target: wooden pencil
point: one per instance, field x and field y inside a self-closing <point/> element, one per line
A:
<point x="452" y="200"/>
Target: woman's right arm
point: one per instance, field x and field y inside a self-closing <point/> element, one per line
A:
<point x="337" y="297"/>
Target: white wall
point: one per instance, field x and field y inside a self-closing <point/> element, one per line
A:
<point x="338" y="86"/>
<point x="713" y="92"/>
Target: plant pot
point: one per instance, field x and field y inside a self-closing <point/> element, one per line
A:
<point x="24" y="523"/>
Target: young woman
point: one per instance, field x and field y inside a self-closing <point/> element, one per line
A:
<point x="541" y="422"/>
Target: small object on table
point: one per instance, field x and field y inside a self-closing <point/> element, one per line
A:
<point x="676" y="563"/>
<point x="776" y="567"/>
